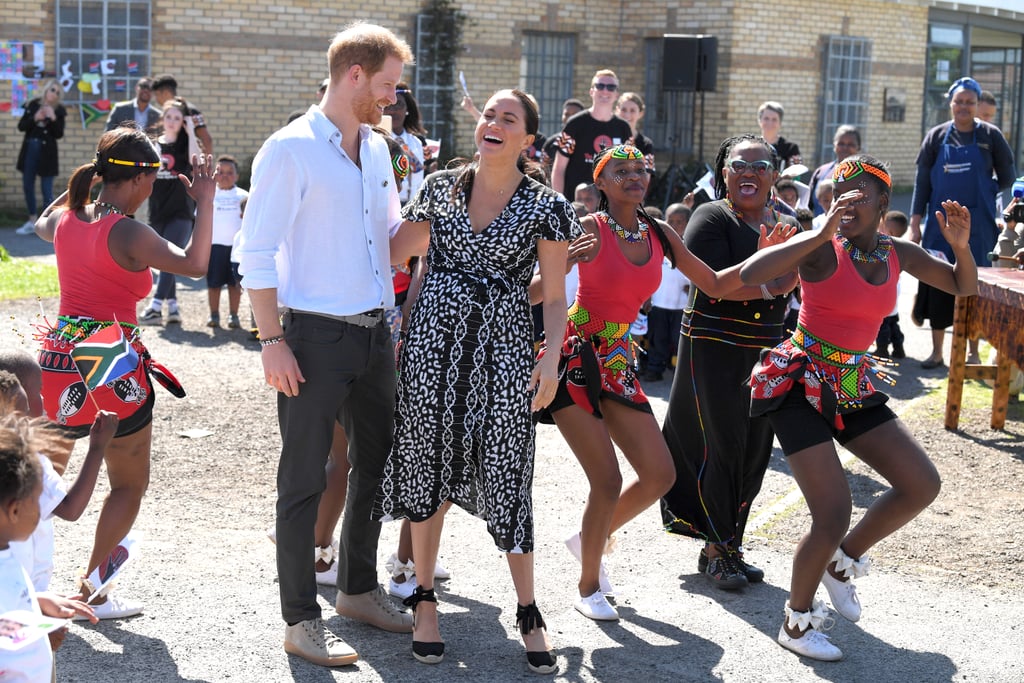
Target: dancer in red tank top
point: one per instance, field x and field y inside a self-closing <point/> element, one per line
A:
<point x="599" y="398"/>
<point x="103" y="262"/>
<point x="815" y="387"/>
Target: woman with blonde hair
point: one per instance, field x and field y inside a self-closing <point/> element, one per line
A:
<point x="43" y="124"/>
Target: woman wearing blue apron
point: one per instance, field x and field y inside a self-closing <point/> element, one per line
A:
<point x="967" y="160"/>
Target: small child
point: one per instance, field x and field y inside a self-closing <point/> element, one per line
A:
<point x="786" y="189"/>
<point x="21" y="485"/>
<point x="823" y="193"/>
<point x="667" y="304"/>
<point x="894" y="224"/>
<point x="587" y="194"/>
<point x="36" y="553"/>
<point x="227" y="222"/>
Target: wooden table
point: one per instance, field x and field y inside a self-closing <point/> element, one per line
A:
<point x="996" y="314"/>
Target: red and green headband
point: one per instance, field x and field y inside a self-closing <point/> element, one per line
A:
<point x="628" y="152"/>
<point x="848" y="170"/>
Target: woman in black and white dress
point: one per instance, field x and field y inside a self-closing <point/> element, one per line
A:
<point x="463" y="425"/>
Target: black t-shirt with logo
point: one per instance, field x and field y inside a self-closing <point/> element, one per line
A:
<point x="581" y="139"/>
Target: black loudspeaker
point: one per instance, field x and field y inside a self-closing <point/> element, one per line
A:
<point x="689" y="63"/>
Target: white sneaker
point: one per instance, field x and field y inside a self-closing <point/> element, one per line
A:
<point x="312" y="641"/>
<point x="27" y="228"/>
<point x="573" y="544"/>
<point x="812" y="643"/>
<point x="272" y="534"/>
<point x="329" y="556"/>
<point x="402" y="590"/>
<point x="842" y="595"/>
<point x="596" y="607"/>
<point x="115" y="608"/>
<point x="440" y="572"/>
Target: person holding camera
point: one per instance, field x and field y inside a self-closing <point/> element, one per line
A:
<point x="43" y="124"/>
<point x="965" y="160"/>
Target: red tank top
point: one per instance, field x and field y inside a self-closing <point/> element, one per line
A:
<point x="613" y="288"/>
<point x="844" y="309"/>
<point x="92" y="284"/>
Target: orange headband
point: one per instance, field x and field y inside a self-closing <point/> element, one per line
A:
<point x="617" y="152"/>
<point x="848" y="170"/>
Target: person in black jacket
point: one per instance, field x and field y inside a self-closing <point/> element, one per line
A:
<point x="43" y="124"/>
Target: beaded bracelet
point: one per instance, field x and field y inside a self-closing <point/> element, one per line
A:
<point x="270" y="341"/>
<point x="765" y="294"/>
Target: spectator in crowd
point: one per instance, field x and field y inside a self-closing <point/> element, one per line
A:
<point x="769" y="118"/>
<point x="987" y="107"/>
<point x="43" y="124"/>
<point x="145" y="115"/>
<point x="227" y="222"/>
<point x="587" y="133"/>
<point x="969" y="161"/>
<point x="845" y="142"/>
<point x="165" y="89"/>
<point x="570" y="108"/>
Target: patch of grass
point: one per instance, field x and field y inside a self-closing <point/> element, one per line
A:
<point x="24" y="278"/>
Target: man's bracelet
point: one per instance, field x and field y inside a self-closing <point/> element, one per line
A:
<point x="765" y="294"/>
<point x="270" y="341"/>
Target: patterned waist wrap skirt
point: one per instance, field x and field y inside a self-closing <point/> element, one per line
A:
<point x="835" y="380"/>
<point x="65" y="397"/>
<point x="596" y="362"/>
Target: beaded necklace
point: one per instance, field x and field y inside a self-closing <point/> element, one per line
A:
<point x="880" y="254"/>
<point x="108" y="207"/>
<point x="630" y="236"/>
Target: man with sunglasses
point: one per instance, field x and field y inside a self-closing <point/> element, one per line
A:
<point x="145" y="115"/>
<point x="587" y="133"/>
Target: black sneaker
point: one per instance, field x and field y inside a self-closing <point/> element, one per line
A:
<point x="898" y="352"/>
<point x="753" y="574"/>
<point x="724" y="573"/>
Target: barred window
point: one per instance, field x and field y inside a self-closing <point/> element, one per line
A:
<point x="546" y="72"/>
<point x="104" y="46"/>
<point x="845" y="80"/>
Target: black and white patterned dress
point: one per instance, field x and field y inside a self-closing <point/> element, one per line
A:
<point x="463" y="429"/>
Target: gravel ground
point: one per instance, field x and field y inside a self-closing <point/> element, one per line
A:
<point x="943" y="601"/>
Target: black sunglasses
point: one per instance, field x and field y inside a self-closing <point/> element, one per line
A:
<point x="610" y="87"/>
<point x="759" y="167"/>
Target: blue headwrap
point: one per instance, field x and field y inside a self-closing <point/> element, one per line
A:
<point x="965" y="83"/>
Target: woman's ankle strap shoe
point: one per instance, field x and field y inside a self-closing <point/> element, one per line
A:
<point x="420" y="595"/>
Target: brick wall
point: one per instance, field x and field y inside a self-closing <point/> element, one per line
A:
<point x="247" y="65"/>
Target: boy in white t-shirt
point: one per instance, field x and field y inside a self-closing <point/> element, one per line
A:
<point x="667" y="304"/>
<point x="21" y="485"/>
<point x="227" y="222"/>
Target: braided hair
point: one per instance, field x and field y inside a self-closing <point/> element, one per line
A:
<point x="659" y="232"/>
<point x="868" y="160"/>
<point x="726" y="149"/>
<point x="124" y="143"/>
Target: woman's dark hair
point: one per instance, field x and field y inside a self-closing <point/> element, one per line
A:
<point x="726" y="149"/>
<point x="126" y="144"/>
<point x="531" y="119"/>
<point x="868" y="160"/>
<point x="659" y="232"/>
<point x="413" y="122"/>
<point x="847" y="129"/>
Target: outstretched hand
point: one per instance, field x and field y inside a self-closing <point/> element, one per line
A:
<point x="955" y="225"/>
<point x="203" y="185"/>
<point x="835" y="212"/>
<point x="778" y="234"/>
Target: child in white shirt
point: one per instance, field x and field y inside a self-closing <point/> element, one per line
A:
<point x="227" y="222"/>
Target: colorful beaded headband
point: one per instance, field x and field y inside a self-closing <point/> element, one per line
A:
<point x="848" y="170"/>
<point x="142" y="164"/>
<point x="618" y="152"/>
<point x="400" y="162"/>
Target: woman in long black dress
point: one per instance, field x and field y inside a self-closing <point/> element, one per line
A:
<point x="720" y="452"/>
<point x="463" y="427"/>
